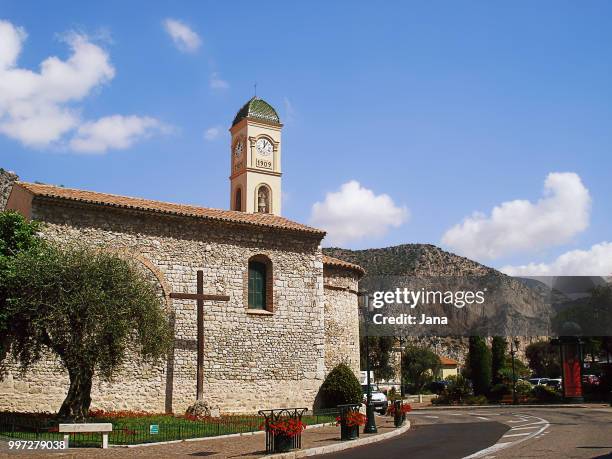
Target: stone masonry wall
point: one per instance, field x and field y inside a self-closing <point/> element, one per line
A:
<point x="251" y="361"/>
<point x="341" y="319"/>
<point x="7" y="178"/>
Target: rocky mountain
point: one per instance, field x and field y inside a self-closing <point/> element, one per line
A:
<point x="411" y="260"/>
<point x="515" y="307"/>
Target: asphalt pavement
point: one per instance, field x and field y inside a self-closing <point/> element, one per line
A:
<point x="511" y="432"/>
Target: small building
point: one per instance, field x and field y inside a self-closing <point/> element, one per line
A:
<point x="449" y="367"/>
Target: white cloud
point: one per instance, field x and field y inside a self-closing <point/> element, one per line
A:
<point x="35" y="107"/>
<point x="289" y="111"/>
<point x="10" y="45"/>
<point x="40" y="109"/>
<point x="212" y="133"/>
<point x="113" y="132"/>
<point x="596" y="261"/>
<point x="185" y="39"/>
<point x="519" y="226"/>
<point x="354" y="212"/>
<point x="217" y="83"/>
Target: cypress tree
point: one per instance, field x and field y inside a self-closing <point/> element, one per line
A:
<point x="479" y="363"/>
<point x="498" y="357"/>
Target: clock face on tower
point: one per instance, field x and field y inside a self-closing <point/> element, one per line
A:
<point x="264" y="147"/>
<point x="238" y="149"/>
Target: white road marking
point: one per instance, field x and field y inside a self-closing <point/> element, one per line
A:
<point x="518" y="434"/>
<point x="523" y="428"/>
<point x="532" y="424"/>
<point x="432" y="417"/>
<point x="490" y="449"/>
<point x="523" y="437"/>
<point x="456" y="414"/>
<point x="484" y="419"/>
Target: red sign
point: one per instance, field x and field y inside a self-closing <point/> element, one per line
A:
<point x="572" y="384"/>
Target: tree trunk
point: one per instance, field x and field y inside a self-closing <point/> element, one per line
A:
<point x="77" y="401"/>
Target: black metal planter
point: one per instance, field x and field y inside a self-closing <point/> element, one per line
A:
<point x="279" y="442"/>
<point x="283" y="443"/>
<point x="398" y="417"/>
<point x="348" y="432"/>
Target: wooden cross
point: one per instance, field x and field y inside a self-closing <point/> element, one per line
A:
<point x="200" y="297"/>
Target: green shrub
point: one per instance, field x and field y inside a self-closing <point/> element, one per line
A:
<point x="546" y="394"/>
<point x="476" y="400"/>
<point x="499" y="390"/>
<point x="523" y="388"/>
<point x="341" y="387"/>
<point x="458" y="390"/>
<point x="393" y="395"/>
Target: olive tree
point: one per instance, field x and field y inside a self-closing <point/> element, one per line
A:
<point x="16" y="235"/>
<point x="91" y="308"/>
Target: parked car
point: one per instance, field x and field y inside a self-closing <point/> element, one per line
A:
<point x="590" y="379"/>
<point x="538" y="381"/>
<point x="555" y="383"/>
<point x="379" y="400"/>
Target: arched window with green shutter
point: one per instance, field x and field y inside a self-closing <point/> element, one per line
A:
<point x="257" y="285"/>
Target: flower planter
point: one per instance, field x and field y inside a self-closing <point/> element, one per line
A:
<point x="399" y="410"/>
<point x="283" y="428"/>
<point x="349" y="420"/>
<point x="282" y="443"/>
<point x="399" y="419"/>
<point x="349" y="432"/>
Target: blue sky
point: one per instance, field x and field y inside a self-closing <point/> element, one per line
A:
<point x="448" y="108"/>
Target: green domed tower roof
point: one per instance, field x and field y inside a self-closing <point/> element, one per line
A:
<point x="259" y="109"/>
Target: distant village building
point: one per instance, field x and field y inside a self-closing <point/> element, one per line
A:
<point x="282" y="314"/>
<point x="448" y="367"/>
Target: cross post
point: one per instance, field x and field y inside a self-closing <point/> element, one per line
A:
<point x="199" y="297"/>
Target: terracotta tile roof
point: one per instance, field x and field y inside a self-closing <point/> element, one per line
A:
<point x="336" y="262"/>
<point x="447" y="361"/>
<point x="231" y="216"/>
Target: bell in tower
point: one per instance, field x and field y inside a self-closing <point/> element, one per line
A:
<point x="255" y="178"/>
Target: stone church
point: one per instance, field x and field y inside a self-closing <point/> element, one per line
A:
<point x="280" y="314"/>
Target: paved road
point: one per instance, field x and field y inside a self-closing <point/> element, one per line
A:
<point x="498" y="433"/>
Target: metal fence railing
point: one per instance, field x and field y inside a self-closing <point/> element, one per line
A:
<point x="140" y="430"/>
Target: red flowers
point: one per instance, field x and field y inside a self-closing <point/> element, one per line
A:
<point x="122" y="414"/>
<point x="352" y="419"/>
<point x="404" y="409"/>
<point x="288" y="427"/>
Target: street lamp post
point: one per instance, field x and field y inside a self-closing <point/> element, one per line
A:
<point x="370" y="426"/>
<point x="402" y="394"/>
<point x="513" y="353"/>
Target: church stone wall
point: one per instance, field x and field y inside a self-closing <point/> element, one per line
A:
<point x="7" y="179"/>
<point x="341" y="319"/>
<point x="251" y="361"/>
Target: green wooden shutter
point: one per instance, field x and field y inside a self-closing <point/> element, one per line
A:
<point x="257" y="285"/>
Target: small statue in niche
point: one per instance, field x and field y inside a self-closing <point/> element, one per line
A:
<point x="263" y="200"/>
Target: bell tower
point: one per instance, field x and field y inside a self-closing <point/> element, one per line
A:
<point x="255" y="178"/>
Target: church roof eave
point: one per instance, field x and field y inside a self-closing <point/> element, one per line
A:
<point x="146" y="205"/>
<point x="337" y="263"/>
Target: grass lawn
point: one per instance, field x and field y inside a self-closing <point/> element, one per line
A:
<point x="129" y="430"/>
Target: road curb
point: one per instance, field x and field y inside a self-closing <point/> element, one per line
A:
<point x="341" y="446"/>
